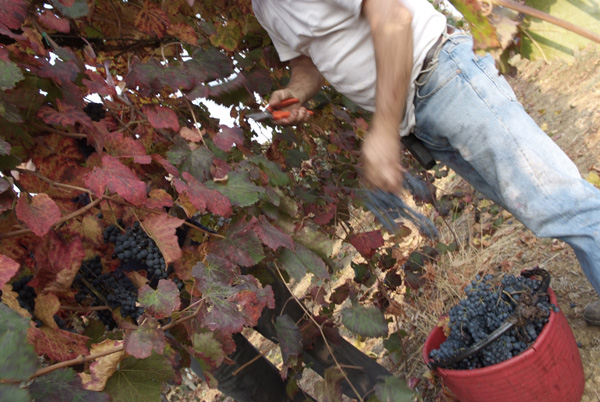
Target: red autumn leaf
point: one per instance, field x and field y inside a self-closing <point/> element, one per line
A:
<point x="151" y="20"/>
<point x="58" y="261"/>
<point x="119" y="179"/>
<point x="67" y="3"/>
<point x="202" y="197"/>
<point x="270" y="235"/>
<point x="143" y="340"/>
<point x="161" y="117"/>
<point x="97" y="84"/>
<point x="241" y="245"/>
<point x="323" y="218"/>
<point x="158" y="199"/>
<point x="251" y="305"/>
<point x="168" y="166"/>
<point x="119" y="145"/>
<point x="161" y="228"/>
<point x="57" y="344"/>
<point x="8" y="269"/>
<point x="228" y="136"/>
<point x="40" y="215"/>
<point x="13" y="13"/>
<point x="190" y="134"/>
<point x="162" y="301"/>
<point x="183" y="32"/>
<point x="67" y="115"/>
<point x="54" y="22"/>
<point x="367" y="243"/>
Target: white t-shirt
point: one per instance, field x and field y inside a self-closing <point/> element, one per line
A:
<point x="337" y="38"/>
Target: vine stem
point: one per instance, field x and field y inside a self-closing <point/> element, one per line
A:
<point x="52" y="182"/>
<point x="309" y="315"/>
<point x="62" y="220"/>
<point x="84" y="359"/>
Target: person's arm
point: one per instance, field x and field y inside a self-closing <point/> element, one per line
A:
<point x="391" y="29"/>
<point x="305" y="82"/>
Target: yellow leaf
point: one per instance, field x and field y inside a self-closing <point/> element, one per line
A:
<point x="104" y="367"/>
<point x="10" y="299"/>
<point x="593" y="178"/>
<point x="46" y="305"/>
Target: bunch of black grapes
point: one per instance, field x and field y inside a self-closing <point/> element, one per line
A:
<point x="484" y="310"/>
<point x="26" y="297"/>
<point x="95" y="111"/>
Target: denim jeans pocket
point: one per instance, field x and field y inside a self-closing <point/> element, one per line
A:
<point x="488" y="66"/>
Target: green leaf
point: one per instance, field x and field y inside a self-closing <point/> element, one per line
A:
<point x="276" y="176"/>
<point x="10" y="74"/>
<point x="301" y="260"/>
<point x="63" y="385"/>
<point x="394" y="389"/>
<point x="315" y="240"/>
<point x="549" y="41"/>
<point x="238" y="188"/>
<point x="13" y="393"/>
<point x="79" y="8"/>
<point x="241" y="245"/>
<point x="227" y="36"/>
<point x="139" y="380"/>
<point x="484" y="35"/>
<point x="365" y="321"/>
<point x="288" y="334"/>
<point x="162" y="301"/>
<point x="210" y="64"/>
<point x="208" y="349"/>
<point x="197" y="162"/>
<point x="18" y="361"/>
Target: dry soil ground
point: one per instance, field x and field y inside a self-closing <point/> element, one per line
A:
<point x="564" y="99"/>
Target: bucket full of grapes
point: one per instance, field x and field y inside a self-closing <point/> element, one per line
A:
<point x="507" y="342"/>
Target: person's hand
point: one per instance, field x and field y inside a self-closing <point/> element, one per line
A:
<point x="381" y="160"/>
<point x="298" y="113"/>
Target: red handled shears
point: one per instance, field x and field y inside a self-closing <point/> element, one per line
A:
<point x="270" y="113"/>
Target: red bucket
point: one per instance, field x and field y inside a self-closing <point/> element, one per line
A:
<point x="549" y="371"/>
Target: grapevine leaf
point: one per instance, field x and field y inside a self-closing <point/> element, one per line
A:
<point x="46" y="306"/>
<point x="58" y="261"/>
<point x="40" y="215"/>
<point x="161" y="228"/>
<point x="241" y="245"/>
<point x="288" y="334"/>
<point x="8" y="269"/>
<point x="183" y="32"/>
<point x="18" y="361"/>
<point x="143" y="340"/>
<point x="13" y="393"/>
<point x="97" y="84"/>
<point x="151" y="20"/>
<point x="196" y="162"/>
<point x="152" y="77"/>
<point x="13" y="13"/>
<point x="190" y="135"/>
<point x="214" y="270"/>
<point x="140" y="380"/>
<point x="158" y="198"/>
<point x="210" y="64"/>
<point x="10" y="74"/>
<point x="119" y="145"/>
<point x="57" y="344"/>
<point x="66" y="115"/>
<point x="104" y="367"/>
<point x="5" y="148"/>
<point x="227" y="36"/>
<point x="394" y="389"/>
<point x="161" y="117"/>
<point x="63" y="386"/>
<point x="260" y="81"/>
<point x="239" y="189"/>
<point x="317" y="241"/>
<point x="270" y="235"/>
<point x="209" y="349"/>
<point x="203" y="198"/>
<point x="365" y="321"/>
<point x="76" y="9"/>
<point x="367" y="243"/>
<point x="484" y="35"/>
<point x="10" y="298"/>
<point x="330" y="388"/>
<point x="276" y="176"/>
<point x="118" y="178"/>
<point x="54" y="22"/>
<point x="300" y="260"/>
<point x="162" y="301"/>
<point x="228" y="137"/>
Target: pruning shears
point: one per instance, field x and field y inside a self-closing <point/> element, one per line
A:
<point x="273" y="114"/>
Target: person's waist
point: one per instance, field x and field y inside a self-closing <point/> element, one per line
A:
<point x="434" y="50"/>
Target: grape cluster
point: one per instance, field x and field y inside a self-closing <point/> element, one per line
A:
<point x="95" y="111"/>
<point x="137" y="251"/>
<point x="484" y="310"/>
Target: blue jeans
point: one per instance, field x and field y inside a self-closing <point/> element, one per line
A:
<point x="470" y="120"/>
